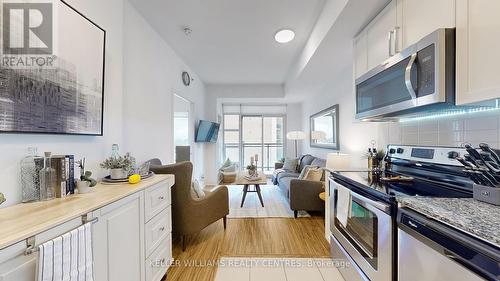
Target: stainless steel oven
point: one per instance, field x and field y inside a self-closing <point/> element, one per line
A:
<point x="421" y="77"/>
<point x="366" y="240"/>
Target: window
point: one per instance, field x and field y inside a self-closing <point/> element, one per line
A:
<point x="232" y="137"/>
<point x="258" y="135"/>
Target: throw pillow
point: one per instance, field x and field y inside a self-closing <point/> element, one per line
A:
<point x="231" y="168"/>
<point x="226" y="164"/>
<point x="196" y="190"/>
<point x="314" y="174"/>
<point x="303" y="173"/>
<point x="290" y="164"/>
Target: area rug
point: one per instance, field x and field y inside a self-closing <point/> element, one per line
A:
<point x="275" y="203"/>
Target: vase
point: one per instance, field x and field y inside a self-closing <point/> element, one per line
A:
<point x="118" y="174"/>
<point x="252" y="172"/>
<point x="83" y="187"/>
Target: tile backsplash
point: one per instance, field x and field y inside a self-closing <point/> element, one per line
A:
<point x="449" y="131"/>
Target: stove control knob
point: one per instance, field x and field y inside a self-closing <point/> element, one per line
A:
<point x="453" y="154"/>
<point x="392" y="151"/>
<point x="400" y="150"/>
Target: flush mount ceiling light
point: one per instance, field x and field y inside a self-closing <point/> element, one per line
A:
<point x="284" y="36"/>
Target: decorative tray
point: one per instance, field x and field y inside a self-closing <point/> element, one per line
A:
<point x="108" y="179"/>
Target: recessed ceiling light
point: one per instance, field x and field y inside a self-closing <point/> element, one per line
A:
<point x="284" y="36"/>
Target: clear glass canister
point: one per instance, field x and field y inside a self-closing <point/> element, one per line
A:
<point x="29" y="177"/>
<point x="48" y="179"/>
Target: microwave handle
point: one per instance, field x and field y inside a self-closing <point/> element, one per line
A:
<point x="409" y="84"/>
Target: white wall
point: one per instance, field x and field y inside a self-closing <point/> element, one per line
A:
<point x="355" y="137"/>
<point x="142" y="71"/>
<point x="152" y="75"/>
<point x="14" y="147"/>
<point x="244" y="94"/>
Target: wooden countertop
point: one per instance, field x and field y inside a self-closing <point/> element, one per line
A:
<point x="22" y="221"/>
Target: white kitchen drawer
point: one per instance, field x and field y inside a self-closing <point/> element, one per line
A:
<point x="157" y="229"/>
<point x="157" y="198"/>
<point x="159" y="262"/>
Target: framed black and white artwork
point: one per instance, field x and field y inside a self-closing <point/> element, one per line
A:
<point x="51" y="70"/>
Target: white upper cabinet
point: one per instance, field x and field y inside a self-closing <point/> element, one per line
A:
<point x="360" y="54"/>
<point x="478" y="42"/>
<point x="418" y="18"/>
<point x="400" y="24"/>
<point x="380" y="35"/>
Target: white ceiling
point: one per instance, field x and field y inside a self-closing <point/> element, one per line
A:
<point x="233" y="40"/>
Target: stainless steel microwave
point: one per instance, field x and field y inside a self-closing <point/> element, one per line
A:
<point x="419" y="78"/>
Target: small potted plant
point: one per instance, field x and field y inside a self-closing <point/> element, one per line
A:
<point x="86" y="182"/>
<point x="252" y="169"/>
<point x="2" y="198"/>
<point x="119" y="166"/>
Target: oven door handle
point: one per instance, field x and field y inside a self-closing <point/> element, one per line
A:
<point x="409" y="84"/>
<point x="366" y="201"/>
<point x="381" y="206"/>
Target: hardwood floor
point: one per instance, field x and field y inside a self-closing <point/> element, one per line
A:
<point x="251" y="237"/>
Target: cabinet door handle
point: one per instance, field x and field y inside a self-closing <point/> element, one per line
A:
<point x="161" y="197"/>
<point x="389" y="41"/>
<point x="162" y="228"/>
<point x="396" y="39"/>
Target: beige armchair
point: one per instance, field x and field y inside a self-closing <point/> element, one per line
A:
<point x="192" y="215"/>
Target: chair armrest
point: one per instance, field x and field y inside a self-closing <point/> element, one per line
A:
<point x="217" y="197"/>
<point x="304" y="194"/>
<point x="278" y="165"/>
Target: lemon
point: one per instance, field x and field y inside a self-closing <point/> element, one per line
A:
<point x="135" y="178"/>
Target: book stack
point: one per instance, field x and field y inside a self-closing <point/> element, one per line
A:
<point x="65" y="171"/>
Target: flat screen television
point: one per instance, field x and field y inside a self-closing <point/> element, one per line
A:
<point x="207" y="131"/>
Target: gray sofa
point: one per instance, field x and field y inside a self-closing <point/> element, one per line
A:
<point x="303" y="195"/>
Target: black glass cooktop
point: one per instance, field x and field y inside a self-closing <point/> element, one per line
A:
<point x="373" y="183"/>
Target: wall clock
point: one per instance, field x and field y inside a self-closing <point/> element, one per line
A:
<point x="186" y="79"/>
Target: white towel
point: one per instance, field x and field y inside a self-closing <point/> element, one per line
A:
<point x="67" y="257"/>
<point x="344" y="199"/>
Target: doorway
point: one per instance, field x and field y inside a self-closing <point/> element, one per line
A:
<point x="183" y="129"/>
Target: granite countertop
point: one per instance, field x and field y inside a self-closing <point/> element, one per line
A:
<point x="466" y="214"/>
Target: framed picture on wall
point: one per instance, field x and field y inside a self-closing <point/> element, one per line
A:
<point x="324" y="128"/>
<point x="53" y="82"/>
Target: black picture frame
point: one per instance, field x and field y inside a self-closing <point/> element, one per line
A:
<point x="335" y="145"/>
<point x="101" y="131"/>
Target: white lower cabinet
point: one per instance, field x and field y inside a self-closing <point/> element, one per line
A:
<point x="132" y="239"/>
<point x="15" y="265"/>
<point x="118" y="236"/>
<point x="159" y="261"/>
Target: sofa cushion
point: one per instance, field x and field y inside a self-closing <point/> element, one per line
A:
<point x="304" y="172"/>
<point x="313" y="174"/>
<point x="318" y="162"/>
<point x="290" y="164"/>
<point x="305" y="160"/>
<point x="284" y="185"/>
<point x="287" y="174"/>
<point x="196" y="191"/>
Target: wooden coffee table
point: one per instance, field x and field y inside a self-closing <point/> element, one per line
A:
<point x="241" y="180"/>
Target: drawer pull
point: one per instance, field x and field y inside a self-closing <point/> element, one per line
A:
<point x="161" y="197"/>
<point x="162" y="228"/>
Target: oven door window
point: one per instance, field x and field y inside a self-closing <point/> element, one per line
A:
<point x="362" y="231"/>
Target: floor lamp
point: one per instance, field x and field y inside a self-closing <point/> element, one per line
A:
<point x="296" y="136"/>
